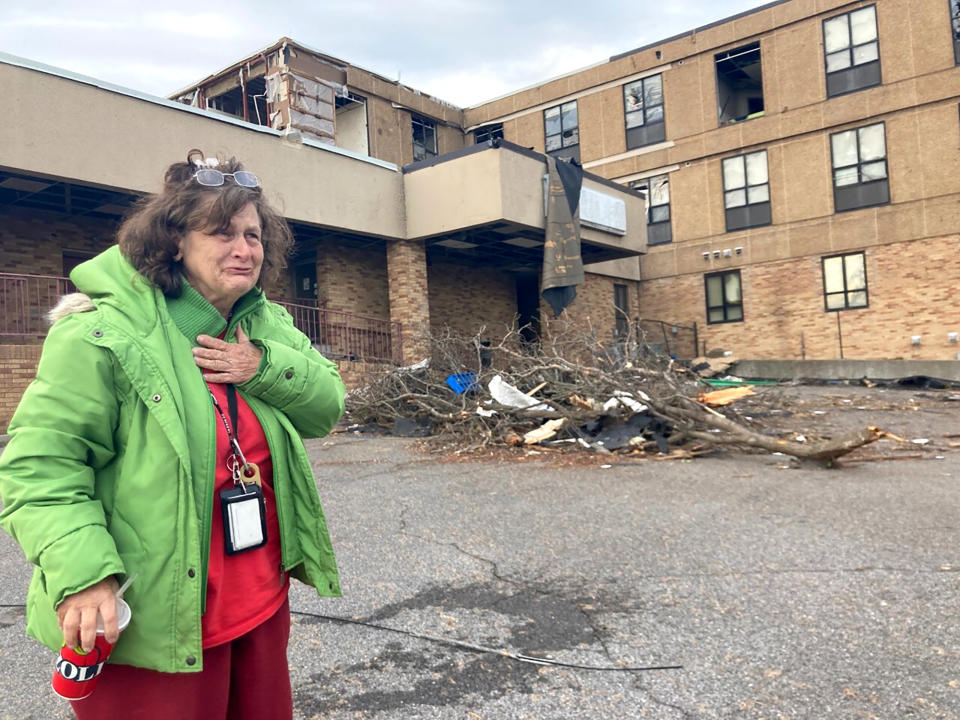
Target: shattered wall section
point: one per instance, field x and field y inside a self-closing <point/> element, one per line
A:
<point x="302" y="103"/>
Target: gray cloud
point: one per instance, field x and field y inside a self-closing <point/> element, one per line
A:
<point x="460" y="50"/>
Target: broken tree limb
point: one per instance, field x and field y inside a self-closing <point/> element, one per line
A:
<point x="595" y="392"/>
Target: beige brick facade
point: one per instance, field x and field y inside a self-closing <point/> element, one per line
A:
<point x="909" y="241"/>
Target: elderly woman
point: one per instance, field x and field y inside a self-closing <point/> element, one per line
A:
<point x="167" y="389"/>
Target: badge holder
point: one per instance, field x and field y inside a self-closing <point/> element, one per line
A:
<point x="244" y="512"/>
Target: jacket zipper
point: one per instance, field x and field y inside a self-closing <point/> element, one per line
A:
<point x="276" y="492"/>
<point x="234" y="322"/>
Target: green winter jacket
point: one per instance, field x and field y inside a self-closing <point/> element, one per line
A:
<point x="110" y="464"/>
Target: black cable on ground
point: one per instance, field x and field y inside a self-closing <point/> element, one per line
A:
<point x="482" y="649"/>
<point x="465" y="645"/>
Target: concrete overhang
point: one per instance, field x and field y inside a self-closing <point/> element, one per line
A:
<point x="485" y="203"/>
<point x="68" y="127"/>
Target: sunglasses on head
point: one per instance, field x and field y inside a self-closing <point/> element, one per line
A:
<point x="214" y="178"/>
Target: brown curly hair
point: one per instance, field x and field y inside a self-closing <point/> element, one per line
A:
<point x="149" y="236"/>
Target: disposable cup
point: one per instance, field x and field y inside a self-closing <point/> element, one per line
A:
<point x="76" y="673"/>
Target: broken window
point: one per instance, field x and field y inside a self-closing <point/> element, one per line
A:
<point x="247" y="101"/>
<point x="561" y="131"/>
<point x="424" y="138"/>
<point x="724" y="297"/>
<point x="657" y="191"/>
<point x="844" y="282"/>
<point x="351" y="122"/>
<point x="859" y="159"/>
<point x="643" y="110"/>
<point x="739" y="84"/>
<point x="488" y="133"/>
<point x="851" y="51"/>
<point x="621" y="304"/>
<point x="955" y="27"/>
<point x="746" y="191"/>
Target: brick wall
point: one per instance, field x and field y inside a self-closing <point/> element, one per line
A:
<point x="32" y="241"/>
<point x="593" y="310"/>
<point x="910" y="285"/>
<point x="353" y="280"/>
<point x="18" y="366"/>
<point x="467" y="299"/>
<point x="409" y="304"/>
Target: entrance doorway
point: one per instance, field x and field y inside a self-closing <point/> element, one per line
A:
<point x="528" y="307"/>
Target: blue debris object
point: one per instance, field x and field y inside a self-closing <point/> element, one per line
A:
<point x="462" y="382"/>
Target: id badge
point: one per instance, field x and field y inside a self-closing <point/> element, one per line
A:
<point x="244" y="518"/>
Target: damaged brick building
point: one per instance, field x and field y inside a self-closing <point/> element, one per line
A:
<point x="796" y="168"/>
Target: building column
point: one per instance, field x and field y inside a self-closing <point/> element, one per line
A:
<point x="409" y="301"/>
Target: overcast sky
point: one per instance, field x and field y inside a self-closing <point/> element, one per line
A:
<point x="463" y="51"/>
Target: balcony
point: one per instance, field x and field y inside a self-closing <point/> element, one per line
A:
<point x="25" y="300"/>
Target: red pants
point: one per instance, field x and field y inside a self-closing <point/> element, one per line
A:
<point x="246" y="679"/>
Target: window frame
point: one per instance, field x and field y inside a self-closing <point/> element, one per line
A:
<point x="659" y="232"/>
<point x="850" y="48"/>
<point x="659" y="127"/>
<point x="725" y="304"/>
<point x="572" y="148"/>
<point x="425" y="123"/>
<point x="490" y="133"/>
<point x="755" y="214"/>
<point x="953" y="10"/>
<point x="727" y="56"/>
<point x="846" y="292"/>
<point x="860" y="187"/>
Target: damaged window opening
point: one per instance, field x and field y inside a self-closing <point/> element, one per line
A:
<point x="643" y="112"/>
<point x="621" y="304"/>
<point x="657" y="192"/>
<point x="724" y="297"/>
<point x="231" y="102"/>
<point x="487" y="133"/>
<point x="739" y="84"/>
<point x="859" y="159"/>
<point x="746" y="191"/>
<point x="851" y="51"/>
<point x="351" y="122"/>
<point x="955" y="28"/>
<point x="561" y="130"/>
<point x="424" y="138"/>
<point x="844" y="282"/>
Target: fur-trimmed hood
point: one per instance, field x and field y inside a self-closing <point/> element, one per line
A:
<point x="69" y="304"/>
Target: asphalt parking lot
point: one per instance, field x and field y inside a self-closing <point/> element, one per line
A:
<point x="783" y="591"/>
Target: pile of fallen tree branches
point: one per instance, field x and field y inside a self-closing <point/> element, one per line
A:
<point x="573" y="390"/>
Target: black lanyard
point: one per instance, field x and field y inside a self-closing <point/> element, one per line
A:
<point x="236" y="459"/>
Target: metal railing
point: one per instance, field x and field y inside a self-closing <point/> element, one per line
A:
<point x="347" y="336"/>
<point x="673" y="339"/>
<point x="25" y="300"/>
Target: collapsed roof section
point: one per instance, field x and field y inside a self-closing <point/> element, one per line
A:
<point x="290" y="87"/>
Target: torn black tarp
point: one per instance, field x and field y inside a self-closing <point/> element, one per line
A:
<point x="562" y="264"/>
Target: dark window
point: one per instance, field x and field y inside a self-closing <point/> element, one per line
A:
<point x="657" y="191"/>
<point x="851" y="51"/>
<point x="487" y="133"/>
<point x="621" y="303"/>
<point x="844" y="282"/>
<point x="724" y="298"/>
<point x="643" y="110"/>
<point x="561" y="130"/>
<point x="859" y="159"/>
<point x="424" y="138"/>
<point x="955" y="28"/>
<point x="746" y="191"/>
<point x="739" y="84"/>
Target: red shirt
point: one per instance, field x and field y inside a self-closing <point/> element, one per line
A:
<point x="245" y="589"/>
